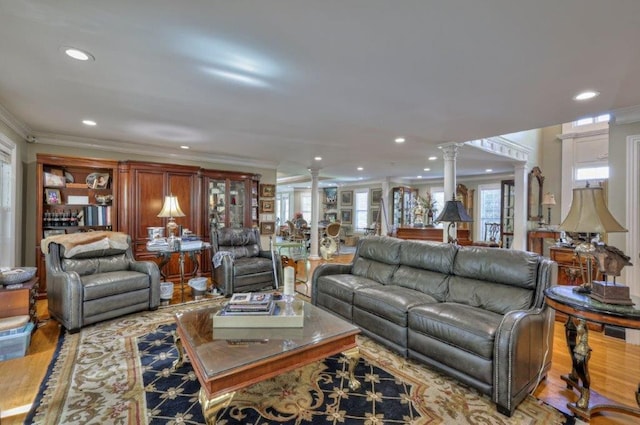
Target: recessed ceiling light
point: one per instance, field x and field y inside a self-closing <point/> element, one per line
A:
<point x="400" y="140"/>
<point x="586" y="95"/>
<point x="419" y="177"/>
<point x="318" y="158"/>
<point x="89" y="122"/>
<point x="427" y="169"/>
<point x="488" y="170"/>
<point x="360" y="168"/>
<point x="184" y="147"/>
<point x="432" y="158"/>
<point x="78" y="54"/>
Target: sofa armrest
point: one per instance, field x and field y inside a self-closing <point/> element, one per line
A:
<point x="276" y="259"/>
<point x="151" y="269"/>
<point x="325" y="270"/>
<point x="64" y="296"/>
<point x="522" y="355"/>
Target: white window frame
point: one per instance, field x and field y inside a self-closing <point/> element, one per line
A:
<point x="479" y="236"/>
<point x="357" y="224"/>
<point x="8" y="203"/>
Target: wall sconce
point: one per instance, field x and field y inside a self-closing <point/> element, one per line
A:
<point x="170" y="210"/>
<point x="453" y="212"/>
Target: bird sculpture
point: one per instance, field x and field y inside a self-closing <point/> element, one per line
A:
<point x="610" y="260"/>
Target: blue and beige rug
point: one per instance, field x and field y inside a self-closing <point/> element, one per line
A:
<point x="119" y="372"/>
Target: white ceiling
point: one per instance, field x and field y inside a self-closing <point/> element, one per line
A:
<point x="278" y="82"/>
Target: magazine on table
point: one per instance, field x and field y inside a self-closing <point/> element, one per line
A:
<point x="228" y="310"/>
<point x="251" y="298"/>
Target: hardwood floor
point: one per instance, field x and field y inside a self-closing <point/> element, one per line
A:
<point x="614" y="369"/>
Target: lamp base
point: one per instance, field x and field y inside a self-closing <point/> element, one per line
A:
<point x="610" y="293"/>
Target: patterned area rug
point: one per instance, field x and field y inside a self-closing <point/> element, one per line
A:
<point x="119" y="372"/>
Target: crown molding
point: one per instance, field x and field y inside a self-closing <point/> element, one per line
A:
<point x="502" y="146"/>
<point x="14" y="123"/>
<point x="147" y="151"/>
<point x="581" y="134"/>
<point x="627" y="115"/>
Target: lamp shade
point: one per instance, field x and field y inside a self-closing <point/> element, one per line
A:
<point x="548" y="199"/>
<point x="454" y="211"/>
<point x="171" y="208"/>
<point x="589" y="213"/>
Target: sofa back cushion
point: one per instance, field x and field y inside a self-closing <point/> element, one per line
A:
<point x="434" y="256"/>
<point x="241" y="242"/>
<point x="95" y="265"/>
<point x="425" y="281"/>
<point x="498" y="280"/>
<point x="377" y="258"/>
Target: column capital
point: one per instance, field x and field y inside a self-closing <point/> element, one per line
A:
<point x="450" y="150"/>
<point x="314" y="171"/>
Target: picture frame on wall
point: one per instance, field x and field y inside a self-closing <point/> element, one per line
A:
<point x="267" y="190"/>
<point x="52" y="196"/>
<point x="346" y="198"/>
<point x="266" y="206"/>
<point x="267" y="228"/>
<point x="345" y="216"/>
<point x="376" y="196"/>
<point x="373" y="217"/>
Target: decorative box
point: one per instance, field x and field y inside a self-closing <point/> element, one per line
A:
<point x="277" y="320"/>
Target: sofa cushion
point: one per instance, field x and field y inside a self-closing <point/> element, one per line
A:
<point x="489" y="296"/>
<point x="390" y="302"/>
<point x="433" y="256"/>
<point x="252" y="265"/>
<point x="343" y="286"/>
<point x="468" y="328"/>
<point x="86" y="266"/>
<point x="241" y="242"/>
<point x="506" y="266"/>
<point x="380" y="249"/>
<point x="103" y="285"/>
<point x="428" y="282"/>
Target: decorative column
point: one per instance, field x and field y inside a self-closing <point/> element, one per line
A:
<point x="315" y="213"/>
<point x="520" y="207"/>
<point x="449" y="153"/>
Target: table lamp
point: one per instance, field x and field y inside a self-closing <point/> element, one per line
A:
<point x="548" y="199"/>
<point x="453" y="212"/>
<point x="170" y="210"/>
<point x="589" y="214"/>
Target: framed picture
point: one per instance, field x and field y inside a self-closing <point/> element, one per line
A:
<point x="373" y="218"/>
<point x="267" y="190"/>
<point x="345" y="216"/>
<point x="330" y="195"/>
<point x="267" y="228"/>
<point x="52" y="196"/>
<point x="53" y="232"/>
<point x="376" y="196"/>
<point x="266" y="206"/>
<point x="346" y="198"/>
<point x="54" y="180"/>
<point x="98" y="180"/>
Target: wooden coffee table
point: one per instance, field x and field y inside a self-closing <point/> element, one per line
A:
<point x="226" y="360"/>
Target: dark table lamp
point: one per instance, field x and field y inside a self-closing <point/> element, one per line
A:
<point x="453" y="212"/>
<point x="589" y="214"/>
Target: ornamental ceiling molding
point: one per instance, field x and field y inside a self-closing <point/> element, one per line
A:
<point x="14" y="123"/>
<point x="582" y="134"/>
<point x="502" y="146"/>
<point x="146" y="151"/>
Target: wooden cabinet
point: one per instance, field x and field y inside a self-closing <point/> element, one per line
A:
<point x="20" y="299"/>
<point x="536" y="238"/>
<point x="73" y="195"/>
<point x="507" y="204"/>
<point x="231" y="199"/>
<point x="430" y="234"/>
<point x="569" y="267"/>
<point x="403" y="199"/>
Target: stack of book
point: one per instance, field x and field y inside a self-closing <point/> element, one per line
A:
<point x="190" y="242"/>
<point x="251" y="303"/>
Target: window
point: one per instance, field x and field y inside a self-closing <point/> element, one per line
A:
<point x="437" y="195"/>
<point x="361" y="209"/>
<point x="592" y="120"/>
<point x="282" y="208"/>
<point x="7" y="200"/>
<point x="489" y="208"/>
<point x="592" y="173"/>
<point x="305" y="206"/>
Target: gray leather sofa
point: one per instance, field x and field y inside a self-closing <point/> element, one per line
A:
<point x="93" y="286"/>
<point x="475" y="313"/>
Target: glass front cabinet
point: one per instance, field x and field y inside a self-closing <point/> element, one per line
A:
<point x="403" y="201"/>
<point x="232" y="199"/>
<point x="506" y="214"/>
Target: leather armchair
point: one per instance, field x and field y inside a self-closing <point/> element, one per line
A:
<point x="243" y="266"/>
<point x="97" y="285"/>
